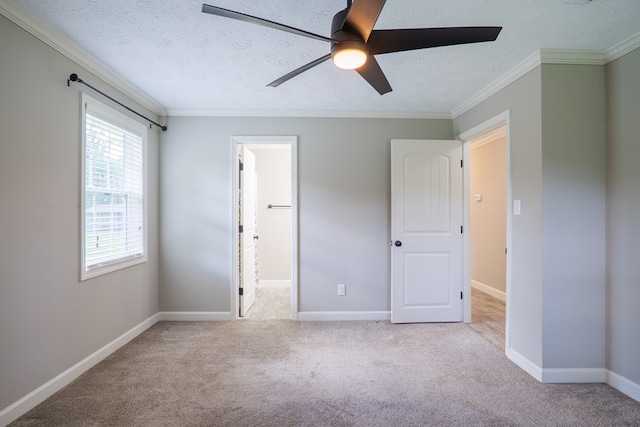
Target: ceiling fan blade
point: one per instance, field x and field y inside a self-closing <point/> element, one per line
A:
<point x="362" y="16"/>
<point x="373" y="74"/>
<point x="387" y="41"/>
<point x="300" y="70"/>
<point x="214" y="10"/>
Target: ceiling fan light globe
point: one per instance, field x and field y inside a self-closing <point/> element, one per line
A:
<point x="349" y="58"/>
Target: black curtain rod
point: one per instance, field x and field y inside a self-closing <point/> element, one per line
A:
<point x="74" y="78"/>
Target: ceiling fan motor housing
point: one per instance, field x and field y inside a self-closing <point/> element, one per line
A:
<point x="341" y="31"/>
<point x="345" y="38"/>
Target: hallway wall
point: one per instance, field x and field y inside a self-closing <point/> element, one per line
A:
<point x="488" y="178"/>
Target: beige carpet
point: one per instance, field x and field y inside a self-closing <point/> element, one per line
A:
<point x="284" y="373"/>
<point x="271" y="303"/>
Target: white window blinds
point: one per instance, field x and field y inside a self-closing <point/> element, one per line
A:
<point x="113" y="189"/>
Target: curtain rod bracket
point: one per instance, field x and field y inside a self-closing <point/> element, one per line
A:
<point x="74" y="78"/>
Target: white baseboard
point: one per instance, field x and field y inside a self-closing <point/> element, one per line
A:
<point x="37" y="396"/>
<point x="195" y="316"/>
<point x="274" y="283"/>
<point x="527" y="365"/>
<point x="623" y="385"/>
<point x="573" y="375"/>
<point x="576" y="375"/>
<point x="489" y="290"/>
<point x="308" y="316"/>
<point x="557" y="375"/>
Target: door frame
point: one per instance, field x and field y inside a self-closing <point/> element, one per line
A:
<point x="489" y="125"/>
<point x="236" y="142"/>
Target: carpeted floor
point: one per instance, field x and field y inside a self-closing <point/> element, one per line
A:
<point x="285" y="373"/>
<point x="271" y="303"/>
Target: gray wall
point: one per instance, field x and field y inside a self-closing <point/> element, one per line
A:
<point x="557" y="150"/>
<point x="573" y="216"/>
<point x="623" y="205"/>
<point x="49" y="321"/>
<point x="343" y="196"/>
<point x="524" y="101"/>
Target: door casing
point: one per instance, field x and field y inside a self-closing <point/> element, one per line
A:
<point x="501" y="119"/>
<point x="236" y="143"/>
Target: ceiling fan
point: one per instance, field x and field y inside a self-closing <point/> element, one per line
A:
<point x="354" y="42"/>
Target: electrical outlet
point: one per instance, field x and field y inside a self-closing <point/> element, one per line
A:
<point x="342" y="289"/>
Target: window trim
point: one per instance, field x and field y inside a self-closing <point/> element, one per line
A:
<point x="125" y="122"/>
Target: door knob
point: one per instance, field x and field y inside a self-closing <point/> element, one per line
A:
<point x="398" y="243"/>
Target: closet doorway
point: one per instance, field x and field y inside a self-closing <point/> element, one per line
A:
<point x="265" y="224"/>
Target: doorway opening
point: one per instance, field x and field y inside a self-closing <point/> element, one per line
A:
<point x="265" y="228"/>
<point x="487" y="261"/>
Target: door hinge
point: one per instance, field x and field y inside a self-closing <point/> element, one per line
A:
<point x="460" y="294"/>
<point x="241" y="291"/>
<point x="461" y="230"/>
<point x="505" y="251"/>
<point x="241" y="166"/>
<point x="240" y="229"/>
<point x="461" y="163"/>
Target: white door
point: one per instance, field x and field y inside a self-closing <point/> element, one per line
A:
<point x="248" y="235"/>
<point x="426" y="231"/>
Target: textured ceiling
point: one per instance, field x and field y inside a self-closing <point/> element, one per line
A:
<point x="186" y="60"/>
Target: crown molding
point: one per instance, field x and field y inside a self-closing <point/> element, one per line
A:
<point x="543" y="56"/>
<point x="518" y="71"/>
<point x="359" y="114"/>
<point x="621" y="49"/>
<point x="78" y="55"/>
<point x="576" y="57"/>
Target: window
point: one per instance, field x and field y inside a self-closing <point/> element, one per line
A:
<point x="113" y="208"/>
